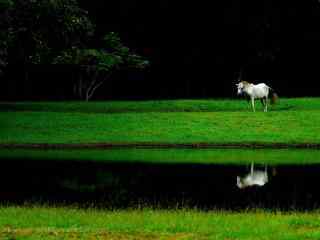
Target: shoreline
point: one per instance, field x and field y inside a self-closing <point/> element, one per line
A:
<point x="109" y="145"/>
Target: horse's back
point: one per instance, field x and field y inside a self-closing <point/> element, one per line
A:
<point x="261" y="90"/>
<point x="262" y="85"/>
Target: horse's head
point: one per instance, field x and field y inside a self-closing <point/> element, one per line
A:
<point x="240" y="183"/>
<point x="240" y="87"/>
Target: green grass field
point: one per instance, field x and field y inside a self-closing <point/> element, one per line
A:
<point x="171" y="156"/>
<point x="146" y="224"/>
<point x="292" y="121"/>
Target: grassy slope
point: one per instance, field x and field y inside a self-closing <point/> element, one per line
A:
<point x="63" y="223"/>
<point x="180" y="121"/>
<point x="172" y="156"/>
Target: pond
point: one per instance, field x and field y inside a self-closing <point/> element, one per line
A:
<point x="193" y="178"/>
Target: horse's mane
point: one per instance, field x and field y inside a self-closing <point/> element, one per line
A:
<point x="245" y="82"/>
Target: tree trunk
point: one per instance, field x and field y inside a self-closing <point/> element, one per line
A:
<point x="95" y="84"/>
<point x="80" y="86"/>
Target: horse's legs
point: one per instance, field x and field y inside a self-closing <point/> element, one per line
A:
<point x="251" y="168"/>
<point x="266" y="104"/>
<point x="263" y="103"/>
<point x="252" y="104"/>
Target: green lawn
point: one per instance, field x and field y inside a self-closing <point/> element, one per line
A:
<point x="68" y="223"/>
<point x="210" y="105"/>
<point x="177" y="121"/>
<point x="171" y="156"/>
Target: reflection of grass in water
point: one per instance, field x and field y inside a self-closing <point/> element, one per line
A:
<point x="72" y="223"/>
<point x="196" y="156"/>
<point x="101" y="180"/>
<point x="73" y="184"/>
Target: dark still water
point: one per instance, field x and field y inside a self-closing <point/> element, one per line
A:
<point x="121" y="185"/>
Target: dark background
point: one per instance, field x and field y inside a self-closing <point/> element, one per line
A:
<point x="197" y="49"/>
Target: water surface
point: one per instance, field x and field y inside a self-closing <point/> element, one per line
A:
<point x="120" y="178"/>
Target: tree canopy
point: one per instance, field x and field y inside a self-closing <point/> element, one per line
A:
<point x="60" y="32"/>
<point x="96" y="65"/>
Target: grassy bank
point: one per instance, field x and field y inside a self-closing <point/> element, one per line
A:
<point x="67" y="223"/>
<point x="293" y="121"/>
<point x="210" y="105"/>
<point x="171" y="156"/>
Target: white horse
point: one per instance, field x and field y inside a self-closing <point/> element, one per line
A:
<point x="259" y="91"/>
<point x="254" y="178"/>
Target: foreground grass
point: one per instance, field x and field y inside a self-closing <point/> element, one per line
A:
<point x="218" y="121"/>
<point x="68" y="223"/>
<point x="171" y="156"/>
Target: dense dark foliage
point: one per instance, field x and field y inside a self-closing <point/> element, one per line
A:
<point x="196" y="48"/>
<point x="36" y="30"/>
<point x="40" y="35"/>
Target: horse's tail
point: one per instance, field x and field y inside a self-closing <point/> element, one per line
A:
<point x="274" y="97"/>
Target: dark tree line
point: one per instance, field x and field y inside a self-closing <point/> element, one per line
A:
<point x="197" y="45"/>
<point x="194" y="47"/>
<point x="59" y="33"/>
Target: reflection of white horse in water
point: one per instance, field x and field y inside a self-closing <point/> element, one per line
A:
<point x="258" y="178"/>
<point x="260" y="91"/>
